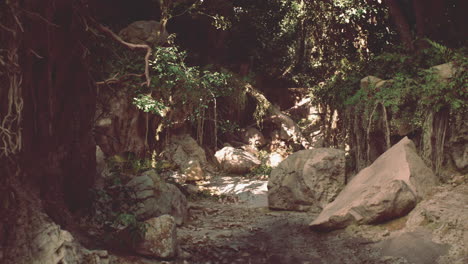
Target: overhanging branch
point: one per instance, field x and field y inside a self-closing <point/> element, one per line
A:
<point x="131" y="46"/>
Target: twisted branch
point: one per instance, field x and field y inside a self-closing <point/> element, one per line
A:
<point x="131" y="46"/>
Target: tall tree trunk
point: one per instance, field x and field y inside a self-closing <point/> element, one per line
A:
<point x="401" y="23"/>
<point x="53" y="112"/>
<point x="418" y="7"/>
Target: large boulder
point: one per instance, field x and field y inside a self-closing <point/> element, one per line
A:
<point x="389" y="188"/>
<point x="307" y="179"/>
<point x="145" y="32"/>
<point x="156" y="197"/>
<point x="160" y="239"/>
<point x="185" y="152"/>
<point x="236" y="161"/>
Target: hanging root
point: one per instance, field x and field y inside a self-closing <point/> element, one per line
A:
<point x="10" y="123"/>
<point x="369" y="126"/>
<point x="387" y="126"/>
<point x="368" y="132"/>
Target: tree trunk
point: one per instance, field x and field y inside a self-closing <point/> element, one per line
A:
<point x="54" y="105"/>
<point x="401" y="23"/>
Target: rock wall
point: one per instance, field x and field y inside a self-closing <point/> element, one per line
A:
<point x="120" y="126"/>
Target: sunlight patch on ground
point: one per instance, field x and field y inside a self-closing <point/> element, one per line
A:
<point x="252" y="192"/>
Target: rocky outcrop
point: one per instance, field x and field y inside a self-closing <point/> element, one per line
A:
<point x="389" y="188"/>
<point x="307" y="179"/>
<point x="156" y="197"/>
<point x="145" y="32"/>
<point x="120" y="127"/>
<point x="160" y="239"/>
<point x="444" y="216"/>
<point x="184" y="151"/>
<point x="236" y="161"/>
<point x="253" y="137"/>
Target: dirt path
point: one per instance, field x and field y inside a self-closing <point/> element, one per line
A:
<point x="241" y="229"/>
<point x="238" y="227"/>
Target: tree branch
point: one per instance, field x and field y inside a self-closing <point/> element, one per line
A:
<point x="131" y="46"/>
<point x="119" y="80"/>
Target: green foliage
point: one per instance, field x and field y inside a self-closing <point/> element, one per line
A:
<point x="261" y="170"/>
<point x="146" y="103"/>
<point x="301" y="41"/>
<point x="175" y="84"/>
<point x="227" y="127"/>
<point x="414" y="87"/>
<point x="264" y="168"/>
<point x="128" y="163"/>
<point x="136" y="230"/>
<point x="221" y="22"/>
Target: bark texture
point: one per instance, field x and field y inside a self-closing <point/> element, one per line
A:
<point x="47" y="101"/>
